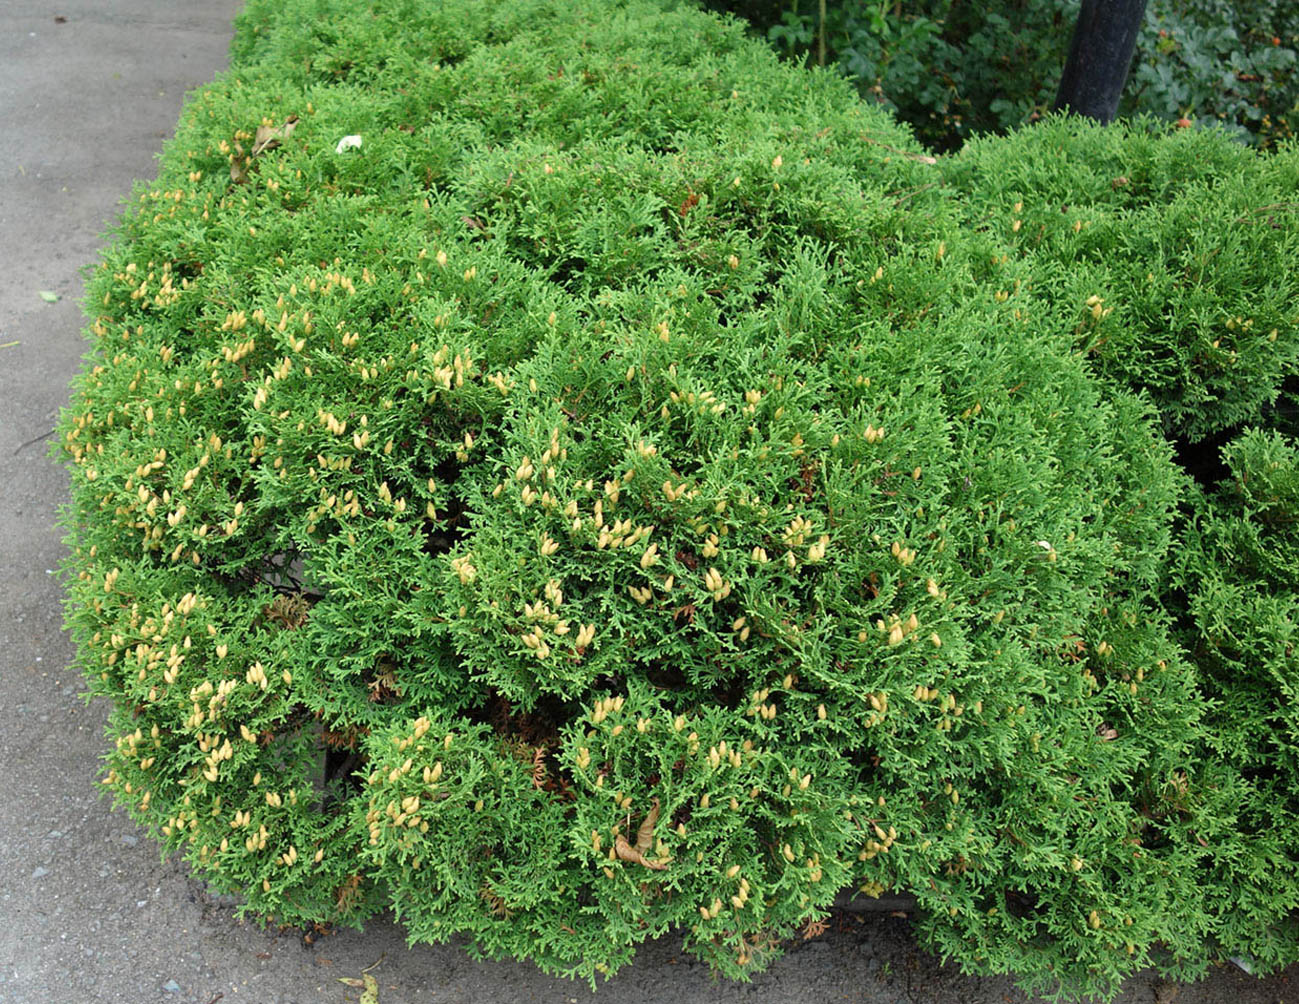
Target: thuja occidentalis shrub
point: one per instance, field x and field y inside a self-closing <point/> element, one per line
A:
<point x="554" y="472"/>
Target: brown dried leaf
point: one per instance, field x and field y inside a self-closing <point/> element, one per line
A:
<point x="269" y="137"/>
<point x="645" y="835"/>
<point x="626" y="852"/>
<point x="644" y="838"/>
<point x="370" y="985"/>
<point x="1107" y="732"/>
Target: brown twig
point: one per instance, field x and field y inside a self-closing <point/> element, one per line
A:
<point x="923" y="158"/>
<point x="29" y="442"/>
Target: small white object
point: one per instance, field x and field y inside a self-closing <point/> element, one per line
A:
<point x="1244" y="962"/>
<point x="348" y="143"/>
<point x="1044" y="545"/>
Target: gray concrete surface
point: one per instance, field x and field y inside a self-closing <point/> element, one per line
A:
<point x="89" y="89"/>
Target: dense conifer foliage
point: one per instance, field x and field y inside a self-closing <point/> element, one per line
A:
<point x="553" y="471"/>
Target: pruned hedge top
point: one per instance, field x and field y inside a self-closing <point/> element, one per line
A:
<point x="621" y="492"/>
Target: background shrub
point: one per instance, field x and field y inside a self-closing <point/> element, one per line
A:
<point x="954" y="70"/>
<point x="638" y="488"/>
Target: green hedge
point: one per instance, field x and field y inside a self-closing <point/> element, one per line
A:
<point x="637" y="488"/>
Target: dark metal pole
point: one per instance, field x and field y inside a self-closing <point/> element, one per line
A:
<point x="1099" y="58"/>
